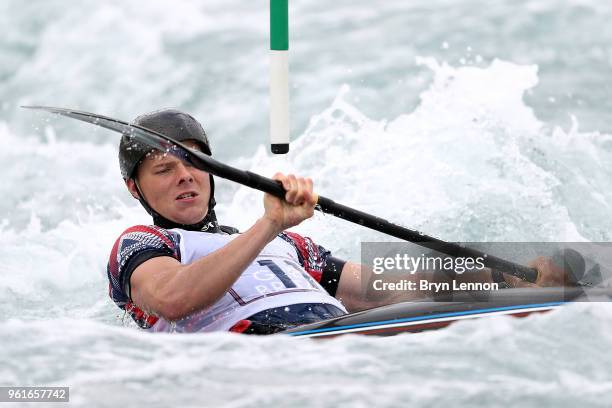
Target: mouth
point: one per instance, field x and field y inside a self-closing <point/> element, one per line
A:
<point x="188" y="195"/>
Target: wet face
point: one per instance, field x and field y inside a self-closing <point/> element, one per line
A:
<point x="173" y="188"/>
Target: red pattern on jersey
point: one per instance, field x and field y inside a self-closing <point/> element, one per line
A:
<point x="130" y="242"/>
<point x="313" y="263"/>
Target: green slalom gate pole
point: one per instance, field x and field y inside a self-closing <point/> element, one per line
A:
<point x="279" y="76"/>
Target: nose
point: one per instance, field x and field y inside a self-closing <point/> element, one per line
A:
<point x="184" y="173"/>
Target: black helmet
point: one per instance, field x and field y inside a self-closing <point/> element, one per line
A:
<point x="169" y="122"/>
<point x="179" y="126"/>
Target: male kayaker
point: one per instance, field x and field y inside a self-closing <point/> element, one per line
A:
<point x="187" y="273"/>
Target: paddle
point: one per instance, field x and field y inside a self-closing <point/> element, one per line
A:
<point x="326" y="205"/>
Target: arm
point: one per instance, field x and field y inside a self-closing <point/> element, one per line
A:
<point x="356" y="293"/>
<point x="165" y="287"/>
<point x="350" y="290"/>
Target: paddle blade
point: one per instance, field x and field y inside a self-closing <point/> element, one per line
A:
<point x="166" y="144"/>
<point x="148" y="137"/>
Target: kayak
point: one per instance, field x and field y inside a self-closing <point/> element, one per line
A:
<point x="414" y="317"/>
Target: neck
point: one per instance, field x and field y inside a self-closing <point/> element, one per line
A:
<point x="208" y="223"/>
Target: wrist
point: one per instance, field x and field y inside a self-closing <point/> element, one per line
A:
<point x="499" y="278"/>
<point x="270" y="226"/>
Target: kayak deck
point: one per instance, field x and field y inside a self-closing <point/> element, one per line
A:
<point x="414" y="317"/>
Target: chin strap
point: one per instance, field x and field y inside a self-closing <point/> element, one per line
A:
<point x="208" y="224"/>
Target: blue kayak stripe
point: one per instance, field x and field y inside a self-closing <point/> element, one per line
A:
<point x="428" y="317"/>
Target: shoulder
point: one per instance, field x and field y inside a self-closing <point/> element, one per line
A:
<point x="144" y="237"/>
<point x="135" y="246"/>
<point x="138" y="243"/>
<point x="149" y="235"/>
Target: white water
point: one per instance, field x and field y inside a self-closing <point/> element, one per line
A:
<point x="468" y="122"/>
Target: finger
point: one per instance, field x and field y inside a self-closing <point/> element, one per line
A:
<point x="309" y="184"/>
<point x="278" y="176"/>
<point x="303" y="195"/>
<point x="518" y="282"/>
<point x="285" y="181"/>
<point x="540" y="260"/>
<point x="539" y="265"/>
<point x="311" y="206"/>
<point x="291" y="189"/>
<point x="548" y="273"/>
<point x="304" y="198"/>
<point x="310" y="198"/>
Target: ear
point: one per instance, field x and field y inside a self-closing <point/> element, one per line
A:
<point x="131" y="186"/>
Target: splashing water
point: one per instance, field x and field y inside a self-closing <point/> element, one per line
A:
<point x="455" y="120"/>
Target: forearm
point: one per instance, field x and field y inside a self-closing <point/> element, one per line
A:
<point x="200" y="284"/>
<point x="357" y="288"/>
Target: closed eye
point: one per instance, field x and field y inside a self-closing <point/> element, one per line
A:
<point x="162" y="170"/>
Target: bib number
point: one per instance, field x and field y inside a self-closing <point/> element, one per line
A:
<point x="280" y="274"/>
<point x="269" y="276"/>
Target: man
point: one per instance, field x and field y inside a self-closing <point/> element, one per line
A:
<point x="187" y="273"/>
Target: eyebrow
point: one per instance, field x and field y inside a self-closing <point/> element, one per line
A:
<point x="164" y="164"/>
<point x="172" y="163"/>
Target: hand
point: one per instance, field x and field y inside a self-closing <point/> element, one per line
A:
<point x="298" y="205"/>
<point x="549" y="274"/>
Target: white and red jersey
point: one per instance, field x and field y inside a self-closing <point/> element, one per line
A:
<point x="286" y="272"/>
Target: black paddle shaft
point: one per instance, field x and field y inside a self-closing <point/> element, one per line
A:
<point x="329" y="206"/>
<point x="267" y="185"/>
